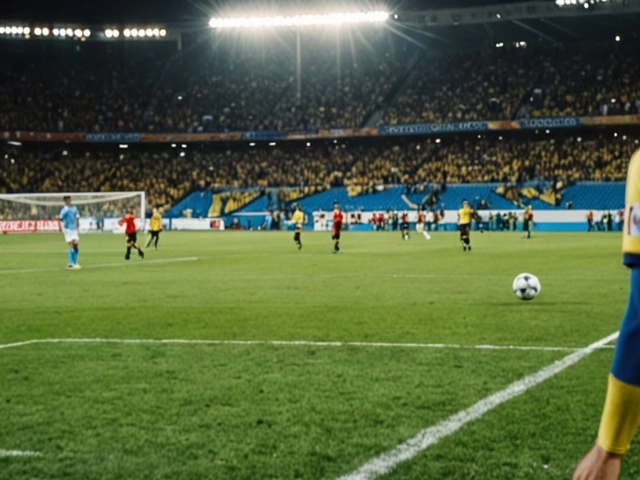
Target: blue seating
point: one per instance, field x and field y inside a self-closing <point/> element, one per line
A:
<point x="199" y="202"/>
<point x="584" y="195"/>
<point x="597" y="196"/>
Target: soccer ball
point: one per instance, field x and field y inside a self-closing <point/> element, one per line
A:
<point x="526" y="286"/>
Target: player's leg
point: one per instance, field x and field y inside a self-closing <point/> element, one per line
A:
<point x="127" y="255"/>
<point x="76" y="253"/>
<point x="134" y="239"/>
<point x="151" y="235"/>
<point x="156" y="242"/>
<point x="70" y="255"/>
<point x="336" y="241"/>
<point x="464" y="237"/>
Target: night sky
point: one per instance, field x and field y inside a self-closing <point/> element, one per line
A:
<point x="100" y="11"/>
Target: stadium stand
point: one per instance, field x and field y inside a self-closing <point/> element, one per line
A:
<point x="122" y="88"/>
<point x="416" y="168"/>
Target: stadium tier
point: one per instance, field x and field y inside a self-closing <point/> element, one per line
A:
<point x="96" y="87"/>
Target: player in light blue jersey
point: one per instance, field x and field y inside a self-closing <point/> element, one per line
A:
<point x="70" y="223"/>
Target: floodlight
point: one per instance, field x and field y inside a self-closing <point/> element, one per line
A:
<point x="163" y="33"/>
<point x="86" y="32"/>
<point x="115" y="33"/>
<point x="108" y="33"/>
<point x="141" y="32"/>
<point x="45" y="31"/>
<point x="156" y="32"/>
<point x="127" y="32"/>
<point x="14" y="30"/>
<point x="149" y="32"/>
<point x="56" y="32"/>
<point x="26" y="30"/>
<point x="37" y="31"/>
<point x="77" y="32"/>
<point x="1" y="30"/>
<point x="69" y="32"/>
<point x="63" y="32"/>
<point x="134" y="32"/>
<point x="300" y="20"/>
<point x="20" y="30"/>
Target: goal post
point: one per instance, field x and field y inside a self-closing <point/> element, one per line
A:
<point x="39" y="212"/>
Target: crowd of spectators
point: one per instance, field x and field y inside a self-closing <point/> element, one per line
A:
<point x="120" y="88"/>
<point x="507" y="83"/>
<point x="167" y="174"/>
<point x="344" y="80"/>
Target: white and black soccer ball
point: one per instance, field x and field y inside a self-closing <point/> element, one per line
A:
<point x="526" y="286"/>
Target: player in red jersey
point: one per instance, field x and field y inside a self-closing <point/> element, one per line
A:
<point x="129" y="220"/>
<point x="337" y="227"/>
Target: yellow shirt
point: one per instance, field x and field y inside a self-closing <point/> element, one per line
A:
<point x="631" y="235"/>
<point x="156" y="223"/>
<point x="298" y="217"/>
<point x="464" y="215"/>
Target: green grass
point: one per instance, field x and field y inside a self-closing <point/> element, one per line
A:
<point x="278" y="411"/>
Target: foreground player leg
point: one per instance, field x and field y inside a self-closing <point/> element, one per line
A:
<point x="149" y="241"/>
<point x="157" y="238"/>
<point x="426" y="235"/>
<point x="296" y="238"/>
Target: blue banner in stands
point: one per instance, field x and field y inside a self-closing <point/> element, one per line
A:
<point x="433" y="128"/>
<point x="113" y="137"/>
<point x="550" y="122"/>
<point x="264" y="135"/>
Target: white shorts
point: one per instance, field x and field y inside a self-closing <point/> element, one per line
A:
<point x="70" y="235"/>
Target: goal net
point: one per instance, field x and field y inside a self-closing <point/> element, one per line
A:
<point x="39" y="212"/>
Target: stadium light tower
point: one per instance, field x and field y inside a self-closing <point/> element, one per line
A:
<point x="297" y="22"/>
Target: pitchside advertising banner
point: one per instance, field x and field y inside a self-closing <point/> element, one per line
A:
<point x="29" y="226"/>
<point x="433" y="128"/>
<point x="89" y="225"/>
<point x="550" y="123"/>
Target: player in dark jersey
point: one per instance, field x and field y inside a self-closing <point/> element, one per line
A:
<point x="129" y="220"/>
<point x="404" y="226"/>
<point x="338" y="217"/>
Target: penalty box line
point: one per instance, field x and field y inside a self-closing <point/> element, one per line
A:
<point x="105" y="265"/>
<point x="403" y="452"/>
<point x="19" y="453"/>
<point x="387" y="461"/>
<point x="297" y="343"/>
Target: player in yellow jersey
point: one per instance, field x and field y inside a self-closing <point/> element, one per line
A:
<point x="298" y="220"/>
<point x="155" y="227"/>
<point x="621" y="414"/>
<point x="465" y="214"/>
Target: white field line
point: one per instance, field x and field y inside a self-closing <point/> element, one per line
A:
<point x="293" y="343"/>
<point x="444" y="430"/>
<point x="18" y="453"/>
<point x="430" y="436"/>
<point x="104" y="265"/>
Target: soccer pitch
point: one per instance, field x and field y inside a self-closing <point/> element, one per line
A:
<point x="232" y="355"/>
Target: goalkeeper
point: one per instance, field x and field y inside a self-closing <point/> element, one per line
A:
<point x="621" y="415"/>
